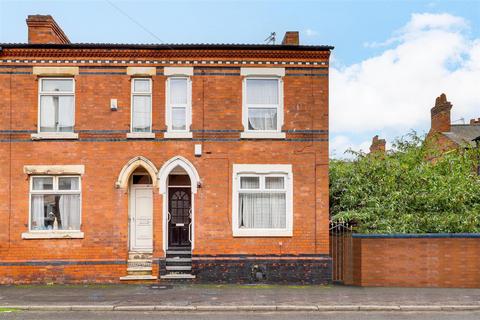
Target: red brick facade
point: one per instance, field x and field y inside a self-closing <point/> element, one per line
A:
<point x="103" y="149"/>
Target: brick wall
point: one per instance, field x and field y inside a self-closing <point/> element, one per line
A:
<point x="415" y="261"/>
<point x="103" y="148"/>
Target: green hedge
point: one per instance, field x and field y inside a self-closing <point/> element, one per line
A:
<point x="405" y="191"/>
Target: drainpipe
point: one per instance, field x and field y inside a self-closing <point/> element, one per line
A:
<point x="477" y="142"/>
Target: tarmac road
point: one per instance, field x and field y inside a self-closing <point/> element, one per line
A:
<point x="127" y="315"/>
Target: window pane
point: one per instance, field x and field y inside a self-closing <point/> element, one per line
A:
<point x="141" y="114"/>
<point x="141" y="85"/>
<point x="262" y="210"/>
<point x="262" y="91"/>
<point x="249" y="182"/>
<point x="179" y="118"/>
<point x="274" y="183"/>
<point x="55" y="212"/>
<point x="68" y="183"/>
<point x="42" y="183"/>
<point x="262" y="119"/>
<point x="57" y="85"/>
<point x="178" y="91"/>
<point x="57" y="113"/>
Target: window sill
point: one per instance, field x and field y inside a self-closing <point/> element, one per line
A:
<point x="262" y="135"/>
<point x="178" y="135"/>
<point x="53" y="234"/>
<point x="262" y="233"/>
<point x="54" y="135"/>
<point x="140" y="135"/>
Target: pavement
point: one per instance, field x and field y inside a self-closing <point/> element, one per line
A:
<point x="235" y="298"/>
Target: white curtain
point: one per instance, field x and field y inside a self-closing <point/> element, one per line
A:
<point x="249" y="182"/>
<point x="262" y="119"/>
<point x="179" y="118"/>
<point x="47" y="114"/>
<point x="262" y="91"/>
<point x="69" y="206"/>
<point x="38" y="215"/>
<point x="66" y="116"/>
<point x="141" y="113"/>
<point x="178" y="92"/>
<point x="262" y="210"/>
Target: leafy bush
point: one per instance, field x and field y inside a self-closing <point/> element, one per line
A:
<point x="409" y="190"/>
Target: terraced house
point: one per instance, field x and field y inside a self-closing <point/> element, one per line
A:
<point x="144" y="162"/>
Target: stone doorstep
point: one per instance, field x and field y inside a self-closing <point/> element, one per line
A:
<point x="280" y="308"/>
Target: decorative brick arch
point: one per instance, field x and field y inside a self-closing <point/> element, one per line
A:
<point x="131" y="166"/>
<point x="171" y="164"/>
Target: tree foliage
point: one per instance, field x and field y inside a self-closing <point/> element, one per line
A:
<point x="409" y="190"/>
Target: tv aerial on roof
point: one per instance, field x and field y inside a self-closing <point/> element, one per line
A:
<point x="271" y="38"/>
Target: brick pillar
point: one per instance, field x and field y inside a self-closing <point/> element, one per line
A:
<point x="291" y="38"/>
<point x="378" y="145"/>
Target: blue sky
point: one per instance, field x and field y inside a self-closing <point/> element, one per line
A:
<point x="366" y="35"/>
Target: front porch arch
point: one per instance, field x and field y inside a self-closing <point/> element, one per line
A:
<point x="131" y="166"/>
<point x="172" y="164"/>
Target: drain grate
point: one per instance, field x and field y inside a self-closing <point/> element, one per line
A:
<point x="161" y="287"/>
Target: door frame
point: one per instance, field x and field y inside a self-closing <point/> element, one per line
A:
<point x="195" y="182"/>
<point x="132" y="188"/>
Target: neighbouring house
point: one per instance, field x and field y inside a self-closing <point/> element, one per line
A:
<point x="447" y="135"/>
<point x="145" y="161"/>
<point x="443" y="134"/>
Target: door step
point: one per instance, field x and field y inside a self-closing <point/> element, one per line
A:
<point x="179" y="268"/>
<point x="138" y="277"/>
<point x="178" y="259"/>
<point x="178" y="276"/>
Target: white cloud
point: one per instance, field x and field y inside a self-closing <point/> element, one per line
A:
<point x="339" y="144"/>
<point x="394" y="90"/>
<point x="310" y="33"/>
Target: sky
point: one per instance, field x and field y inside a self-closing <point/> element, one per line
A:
<point x="391" y="58"/>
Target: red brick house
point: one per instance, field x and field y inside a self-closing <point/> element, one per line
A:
<point x="138" y="162"/>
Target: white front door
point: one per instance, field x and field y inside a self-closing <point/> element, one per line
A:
<point x="141" y="219"/>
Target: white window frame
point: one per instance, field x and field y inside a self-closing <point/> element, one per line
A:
<point x="53" y="234"/>
<point x="263" y="73"/>
<point x="54" y="135"/>
<point x="263" y="170"/>
<point x="179" y="134"/>
<point x="141" y="135"/>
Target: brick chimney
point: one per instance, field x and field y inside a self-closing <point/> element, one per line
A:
<point x="475" y="122"/>
<point x="378" y="145"/>
<point x="43" y="29"/>
<point x="440" y="114"/>
<point x="291" y="38"/>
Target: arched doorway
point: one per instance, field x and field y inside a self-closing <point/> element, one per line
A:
<point x="178" y="181"/>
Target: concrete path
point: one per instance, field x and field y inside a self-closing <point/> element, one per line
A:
<point x="236" y="298"/>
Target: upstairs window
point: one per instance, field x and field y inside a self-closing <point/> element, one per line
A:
<point x="178" y="104"/>
<point x="262" y="97"/>
<point x="57" y="105"/>
<point x="55" y="203"/>
<point x="141" y="105"/>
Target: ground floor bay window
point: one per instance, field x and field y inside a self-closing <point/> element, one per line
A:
<point x="262" y="200"/>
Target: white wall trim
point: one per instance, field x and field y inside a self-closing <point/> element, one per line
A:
<point x="177" y="135"/>
<point x="141" y="71"/>
<point x="178" y="71"/>
<point x="140" y="135"/>
<point x="285" y="169"/>
<point x="55" y="71"/>
<point x="54" y="169"/>
<point x="53" y="234"/>
<point x="54" y="135"/>
<point x="262" y="135"/>
<point x="278" y="72"/>
<point x="131" y="166"/>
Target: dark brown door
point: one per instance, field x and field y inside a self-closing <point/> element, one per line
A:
<point x="179" y="207"/>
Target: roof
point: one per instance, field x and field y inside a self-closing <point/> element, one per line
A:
<point x="153" y="46"/>
<point x="464" y="134"/>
